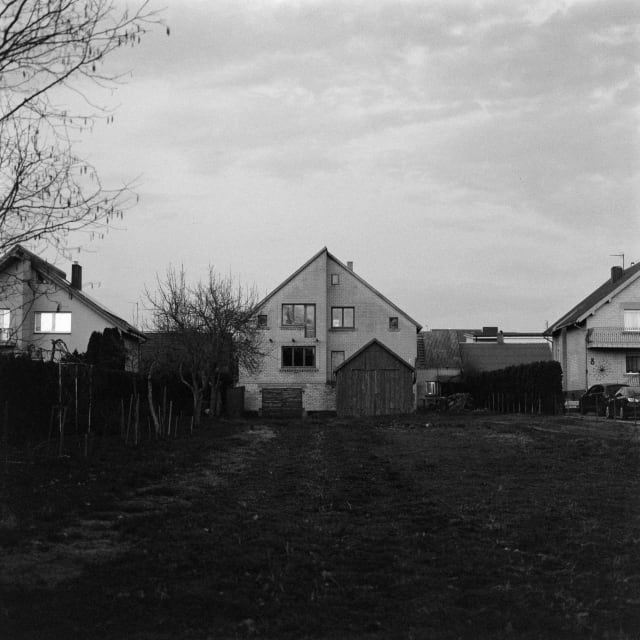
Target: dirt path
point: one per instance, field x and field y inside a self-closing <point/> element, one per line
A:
<point x="462" y="529"/>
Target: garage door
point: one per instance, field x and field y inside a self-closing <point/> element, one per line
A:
<point x="282" y="403"/>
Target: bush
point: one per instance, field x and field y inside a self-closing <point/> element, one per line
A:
<point x="530" y="388"/>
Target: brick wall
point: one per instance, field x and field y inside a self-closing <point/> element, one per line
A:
<point x="313" y="285"/>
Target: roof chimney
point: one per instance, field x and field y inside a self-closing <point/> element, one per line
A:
<point x="616" y="273"/>
<point x="350" y="265"/>
<point x="76" y="276"/>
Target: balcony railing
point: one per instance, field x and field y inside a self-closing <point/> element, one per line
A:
<point x="613" y="337"/>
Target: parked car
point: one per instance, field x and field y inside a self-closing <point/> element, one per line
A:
<point x="597" y="398"/>
<point x="625" y="403"/>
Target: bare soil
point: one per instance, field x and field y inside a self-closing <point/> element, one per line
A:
<point x="427" y="526"/>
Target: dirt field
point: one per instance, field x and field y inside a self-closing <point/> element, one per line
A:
<point x="421" y="527"/>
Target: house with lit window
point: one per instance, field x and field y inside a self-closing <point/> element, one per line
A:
<point x="317" y="321"/>
<point x="45" y="315"/>
<point x="598" y="340"/>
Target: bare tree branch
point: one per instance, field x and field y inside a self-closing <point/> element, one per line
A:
<point x="46" y="190"/>
<point x="210" y="327"/>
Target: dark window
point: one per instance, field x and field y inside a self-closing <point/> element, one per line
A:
<point x="337" y="358"/>
<point x="342" y="317"/>
<point x="262" y="321"/>
<point x="298" y="356"/>
<point x="393" y="323"/>
<point x="633" y="363"/>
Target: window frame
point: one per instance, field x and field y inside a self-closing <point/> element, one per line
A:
<point x="342" y="322"/>
<point x="394" y="323"/>
<point x="263" y="321"/>
<point x="37" y="325"/>
<point x="5" y="325"/>
<point x="308" y="322"/>
<point x="631" y="326"/>
<point x="303" y="351"/>
<point x="335" y="279"/>
<point x="629" y="358"/>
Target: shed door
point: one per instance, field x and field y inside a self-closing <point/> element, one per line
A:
<point x="376" y="392"/>
<point x="277" y="403"/>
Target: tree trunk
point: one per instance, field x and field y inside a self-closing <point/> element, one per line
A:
<point x="152" y="411"/>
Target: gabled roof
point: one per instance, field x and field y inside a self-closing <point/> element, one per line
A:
<point x="482" y="356"/>
<point x="324" y="250"/>
<point x="595" y="300"/>
<point x="367" y="346"/>
<point x="440" y="348"/>
<point x="58" y="277"/>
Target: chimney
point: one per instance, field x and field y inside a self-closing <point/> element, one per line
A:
<point x="350" y="265"/>
<point x="616" y="273"/>
<point x="76" y="276"/>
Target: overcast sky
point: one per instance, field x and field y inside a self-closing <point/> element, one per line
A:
<point x="477" y="161"/>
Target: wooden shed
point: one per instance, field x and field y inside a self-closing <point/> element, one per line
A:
<point x="374" y="381"/>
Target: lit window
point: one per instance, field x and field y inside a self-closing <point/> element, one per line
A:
<point x="632" y="320"/>
<point x="393" y="323"/>
<point x="5" y="319"/>
<point x="342" y="317"/>
<point x="298" y="356"/>
<point x="53" y="322"/>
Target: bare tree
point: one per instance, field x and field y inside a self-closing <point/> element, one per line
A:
<point x="210" y="330"/>
<point x="51" y="52"/>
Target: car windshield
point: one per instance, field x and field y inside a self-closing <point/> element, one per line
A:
<point x="628" y="392"/>
<point x="612" y="388"/>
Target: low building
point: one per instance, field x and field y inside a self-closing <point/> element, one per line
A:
<point x="446" y="355"/>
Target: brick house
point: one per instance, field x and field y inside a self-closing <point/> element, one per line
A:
<point x="598" y="340"/>
<point x="46" y="315"/>
<point x="315" y="320"/>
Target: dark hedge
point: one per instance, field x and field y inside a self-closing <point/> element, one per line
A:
<point x="528" y="388"/>
<point x="35" y="395"/>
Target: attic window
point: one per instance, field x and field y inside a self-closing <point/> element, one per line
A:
<point x="262" y="321"/>
<point x="632" y="320"/>
<point x="393" y="323"/>
<point x="335" y="278"/>
<point x="52" y="322"/>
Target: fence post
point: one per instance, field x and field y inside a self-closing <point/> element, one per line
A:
<point x="5" y="435"/>
<point x="60" y="417"/>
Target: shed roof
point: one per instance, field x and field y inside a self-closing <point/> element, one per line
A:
<point x="369" y="344"/>
<point x="478" y="356"/>
<point x="440" y="348"/>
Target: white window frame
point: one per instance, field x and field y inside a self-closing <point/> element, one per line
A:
<point x="5" y="325"/>
<point x="632" y="319"/>
<point x="58" y="322"/>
